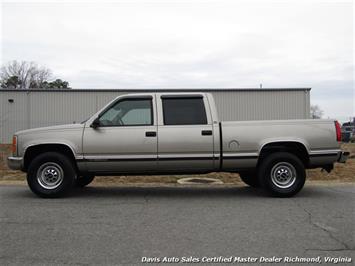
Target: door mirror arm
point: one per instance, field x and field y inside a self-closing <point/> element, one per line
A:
<point x="96" y="123"/>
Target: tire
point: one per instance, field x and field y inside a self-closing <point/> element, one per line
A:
<point x="83" y="181"/>
<point x="282" y="174"/>
<point x="250" y="178"/>
<point x="51" y="175"/>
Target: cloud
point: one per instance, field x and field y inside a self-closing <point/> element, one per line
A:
<point x="190" y="44"/>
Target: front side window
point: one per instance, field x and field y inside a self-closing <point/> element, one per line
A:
<point x="184" y="111"/>
<point x="128" y="112"/>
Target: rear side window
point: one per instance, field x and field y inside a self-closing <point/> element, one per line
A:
<point x="184" y="111"/>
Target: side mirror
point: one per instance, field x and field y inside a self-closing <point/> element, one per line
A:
<point x="96" y="123"/>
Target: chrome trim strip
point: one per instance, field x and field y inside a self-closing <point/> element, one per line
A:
<point x="323" y="155"/>
<point x="240" y="157"/>
<point x="105" y="158"/>
<point x="240" y="154"/>
<point x="184" y="155"/>
<point x="118" y="157"/>
<point x="320" y="152"/>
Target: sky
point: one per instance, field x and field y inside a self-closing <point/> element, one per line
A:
<point x="190" y="44"/>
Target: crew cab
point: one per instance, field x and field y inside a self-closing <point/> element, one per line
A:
<point x="174" y="133"/>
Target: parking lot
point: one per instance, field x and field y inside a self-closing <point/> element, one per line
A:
<point x="120" y="225"/>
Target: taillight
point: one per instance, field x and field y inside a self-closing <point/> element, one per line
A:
<point x="14" y="145"/>
<point x="338" y="130"/>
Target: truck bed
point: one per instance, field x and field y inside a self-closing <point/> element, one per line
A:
<point x="242" y="141"/>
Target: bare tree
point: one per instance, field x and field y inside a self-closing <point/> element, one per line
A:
<point x="316" y="112"/>
<point x="26" y="74"/>
<point x="40" y="77"/>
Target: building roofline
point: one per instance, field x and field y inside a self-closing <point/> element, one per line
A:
<point x="158" y="90"/>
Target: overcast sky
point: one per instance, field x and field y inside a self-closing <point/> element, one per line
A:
<point x="190" y="44"/>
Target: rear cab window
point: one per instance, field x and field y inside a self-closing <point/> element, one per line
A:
<point x="185" y="110"/>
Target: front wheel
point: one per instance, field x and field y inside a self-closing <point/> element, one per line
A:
<point x="282" y="174"/>
<point x="51" y="175"/>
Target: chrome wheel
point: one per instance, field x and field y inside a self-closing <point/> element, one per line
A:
<point x="283" y="175"/>
<point x="50" y="175"/>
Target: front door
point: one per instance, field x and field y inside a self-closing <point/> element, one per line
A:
<point x="185" y="134"/>
<point x="126" y="138"/>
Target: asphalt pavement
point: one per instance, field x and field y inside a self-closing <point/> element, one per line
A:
<point x="125" y="225"/>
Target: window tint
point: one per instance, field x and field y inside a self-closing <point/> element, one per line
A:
<point x="129" y="112"/>
<point x="184" y="111"/>
<point x="137" y="116"/>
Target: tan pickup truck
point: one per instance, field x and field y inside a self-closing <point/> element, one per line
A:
<point x="174" y="133"/>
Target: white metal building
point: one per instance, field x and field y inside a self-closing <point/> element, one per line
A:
<point x="23" y="109"/>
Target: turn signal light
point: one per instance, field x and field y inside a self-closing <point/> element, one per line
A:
<point x="14" y="145"/>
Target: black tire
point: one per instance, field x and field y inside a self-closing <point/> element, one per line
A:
<point x="83" y="181"/>
<point x="45" y="169"/>
<point x="282" y="174"/>
<point x="250" y="178"/>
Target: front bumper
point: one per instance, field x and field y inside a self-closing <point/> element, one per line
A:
<point x="15" y="163"/>
<point x="343" y="156"/>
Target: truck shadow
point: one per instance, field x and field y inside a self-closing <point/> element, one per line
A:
<point x="170" y="192"/>
<point x="179" y="192"/>
<point x="237" y="192"/>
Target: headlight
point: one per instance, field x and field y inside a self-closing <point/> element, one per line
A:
<point x="14" y="145"/>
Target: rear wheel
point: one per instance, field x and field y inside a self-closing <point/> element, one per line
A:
<point x="250" y="178"/>
<point x="282" y="174"/>
<point x="83" y="181"/>
<point x="51" y="174"/>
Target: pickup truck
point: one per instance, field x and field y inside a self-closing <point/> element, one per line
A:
<point x="174" y="133"/>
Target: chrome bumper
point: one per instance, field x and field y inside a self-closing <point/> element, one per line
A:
<point x="343" y="156"/>
<point x="14" y="163"/>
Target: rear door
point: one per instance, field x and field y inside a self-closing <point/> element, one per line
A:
<point x="185" y="133"/>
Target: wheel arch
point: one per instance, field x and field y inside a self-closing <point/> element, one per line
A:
<point x="34" y="150"/>
<point x="294" y="147"/>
